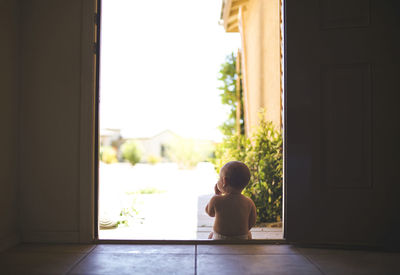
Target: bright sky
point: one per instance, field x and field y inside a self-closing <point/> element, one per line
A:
<point x="159" y="67"/>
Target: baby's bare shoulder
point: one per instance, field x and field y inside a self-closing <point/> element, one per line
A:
<point x="214" y="199"/>
<point x="249" y="201"/>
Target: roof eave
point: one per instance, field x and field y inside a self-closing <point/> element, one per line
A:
<point x="229" y="14"/>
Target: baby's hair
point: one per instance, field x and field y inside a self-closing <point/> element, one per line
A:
<point x="237" y="174"/>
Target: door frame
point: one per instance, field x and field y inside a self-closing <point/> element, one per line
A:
<point x="93" y="218"/>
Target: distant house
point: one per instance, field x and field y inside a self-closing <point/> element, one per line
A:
<point x="156" y="146"/>
<point x="110" y="137"/>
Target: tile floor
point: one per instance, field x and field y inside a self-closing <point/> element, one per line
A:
<point x="193" y="259"/>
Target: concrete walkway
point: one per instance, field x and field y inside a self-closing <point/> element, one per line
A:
<point x="177" y="213"/>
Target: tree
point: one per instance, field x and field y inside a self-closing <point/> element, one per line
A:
<point x="131" y="152"/>
<point x="231" y="95"/>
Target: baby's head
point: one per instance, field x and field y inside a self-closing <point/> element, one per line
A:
<point x="234" y="176"/>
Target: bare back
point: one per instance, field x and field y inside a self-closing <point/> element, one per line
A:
<point x="234" y="214"/>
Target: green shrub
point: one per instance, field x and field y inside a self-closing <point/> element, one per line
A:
<point x="150" y="190"/>
<point x="108" y="154"/>
<point x="262" y="153"/>
<point x="153" y="159"/>
<point x="187" y="153"/>
<point x="131" y="152"/>
<point x="233" y="147"/>
<point x="146" y="191"/>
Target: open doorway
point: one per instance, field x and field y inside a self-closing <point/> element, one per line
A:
<point x="163" y="131"/>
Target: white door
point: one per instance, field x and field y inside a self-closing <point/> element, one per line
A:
<point x="342" y="169"/>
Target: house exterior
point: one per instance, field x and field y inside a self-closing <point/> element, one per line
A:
<point x="156" y="146"/>
<point x="110" y="137"/>
<point x="259" y="25"/>
<point x="153" y="146"/>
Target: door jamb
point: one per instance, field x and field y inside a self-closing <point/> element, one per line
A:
<point x="96" y="239"/>
<point x="97" y="17"/>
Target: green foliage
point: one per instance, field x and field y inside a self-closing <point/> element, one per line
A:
<point x="150" y="190"/>
<point x="265" y="160"/>
<point x="147" y="191"/>
<point x="108" y="154"/>
<point x="233" y="147"/>
<point x="228" y="77"/>
<point x="153" y="159"/>
<point x="262" y="153"/>
<point x="187" y="153"/>
<point x="131" y="152"/>
<point x="128" y="214"/>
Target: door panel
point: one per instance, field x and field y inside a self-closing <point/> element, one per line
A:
<point x="342" y="121"/>
<point x="346" y="111"/>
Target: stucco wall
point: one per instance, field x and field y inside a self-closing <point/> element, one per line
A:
<point x="8" y="122"/>
<point x="261" y="32"/>
<point x="252" y="33"/>
<point x="271" y="55"/>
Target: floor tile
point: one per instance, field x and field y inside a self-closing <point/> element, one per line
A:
<point x="144" y="249"/>
<point x="52" y="248"/>
<point x="260" y="233"/>
<point x="246" y="249"/>
<point x="326" y="251"/>
<point x="125" y="263"/>
<point x="255" y="264"/>
<point x="357" y="262"/>
<point x="38" y="263"/>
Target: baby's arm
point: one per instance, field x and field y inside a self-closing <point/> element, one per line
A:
<point x="210" y="207"/>
<point x="216" y="190"/>
<point x="253" y="215"/>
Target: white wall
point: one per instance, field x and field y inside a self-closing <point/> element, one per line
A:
<point x="8" y="123"/>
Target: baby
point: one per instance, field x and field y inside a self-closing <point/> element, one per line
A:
<point x="234" y="213"/>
